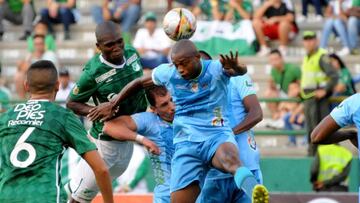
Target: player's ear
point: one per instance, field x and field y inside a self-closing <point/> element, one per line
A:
<point x="57" y="86"/>
<point x="26" y="86"/>
<point x="197" y="55"/>
<point x="153" y="109"/>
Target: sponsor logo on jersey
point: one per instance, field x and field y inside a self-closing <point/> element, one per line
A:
<point x="136" y="66"/>
<point x="131" y="59"/>
<point x="218" y="120"/>
<point x="248" y="83"/>
<point x="105" y="76"/>
<point x="28" y="114"/>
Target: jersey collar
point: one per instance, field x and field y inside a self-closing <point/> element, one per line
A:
<point x="110" y="64"/>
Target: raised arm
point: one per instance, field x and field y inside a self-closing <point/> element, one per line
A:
<point x="107" y="110"/>
<point x="253" y="117"/>
<point x="124" y="128"/>
<point x="327" y="133"/>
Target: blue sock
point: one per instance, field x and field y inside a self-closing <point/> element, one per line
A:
<point x="245" y="180"/>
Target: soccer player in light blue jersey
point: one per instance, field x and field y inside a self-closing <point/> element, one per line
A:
<point x="203" y="138"/>
<point x="155" y="126"/>
<point x="244" y="112"/>
<point x="347" y="113"/>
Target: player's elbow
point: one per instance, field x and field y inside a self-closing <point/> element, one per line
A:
<point x="315" y="136"/>
<point x="259" y="116"/>
<point x="69" y="104"/>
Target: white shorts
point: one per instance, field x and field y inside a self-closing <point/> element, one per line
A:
<point x="116" y="155"/>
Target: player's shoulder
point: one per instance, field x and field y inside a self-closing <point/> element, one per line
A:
<point x="352" y="101"/>
<point x="164" y="68"/>
<point x="148" y="116"/>
<point x="129" y="50"/>
<point x="92" y="64"/>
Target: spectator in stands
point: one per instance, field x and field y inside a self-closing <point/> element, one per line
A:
<point x="345" y="85"/>
<point x="353" y="25"/>
<point x="331" y="168"/>
<point x="17" y="12"/>
<point x="66" y="85"/>
<point x="151" y="43"/>
<point x="127" y="12"/>
<point x="282" y="75"/>
<point x="220" y="10"/>
<point x="5" y="96"/>
<point x="318" y="4"/>
<point x="238" y="10"/>
<point x="275" y="21"/>
<point x="60" y="11"/>
<point x="336" y="21"/>
<point x="293" y="112"/>
<point x="41" y="29"/>
<point x="189" y="3"/>
<point x="39" y="53"/>
<point x="318" y="79"/>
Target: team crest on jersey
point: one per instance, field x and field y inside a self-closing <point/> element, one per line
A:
<point x="251" y="141"/>
<point x="136" y="66"/>
<point x="75" y="91"/>
<point x="194" y="87"/>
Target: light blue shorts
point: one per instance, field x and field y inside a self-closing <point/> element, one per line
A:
<point x="225" y="190"/>
<point x="192" y="160"/>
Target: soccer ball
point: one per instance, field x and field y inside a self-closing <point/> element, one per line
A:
<point x="179" y="23"/>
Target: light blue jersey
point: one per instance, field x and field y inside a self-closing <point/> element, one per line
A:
<point x="348" y="113"/>
<point x="200" y="103"/>
<point x="161" y="133"/>
<point x="239" y="88"/>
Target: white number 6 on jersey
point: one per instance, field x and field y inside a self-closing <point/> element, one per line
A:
<point x="20" y="146"/>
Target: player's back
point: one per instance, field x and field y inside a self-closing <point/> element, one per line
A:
<point x="33" y="139"/>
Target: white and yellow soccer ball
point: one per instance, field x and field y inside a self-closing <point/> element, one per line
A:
<point x="179" y="23"/>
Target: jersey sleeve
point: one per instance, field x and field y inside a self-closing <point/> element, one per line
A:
<point x="343" y="113"/>
<point x="76" y="135"/>
<point x="245" y="86"/>
<point x="161" y="74"/>
<point x="84" y="88"/>
<point x="144" y="123"/>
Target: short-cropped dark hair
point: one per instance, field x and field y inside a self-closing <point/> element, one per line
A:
<point x="154" y="91"/>
<point x="42" y="76"/>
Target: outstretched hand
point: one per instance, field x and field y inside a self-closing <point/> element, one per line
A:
<point x="102" y="112"/>
<point x="231" y="64"/>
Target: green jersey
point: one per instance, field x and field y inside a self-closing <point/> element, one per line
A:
<point x="33" y="137"/>
<point x="102" y="81"/>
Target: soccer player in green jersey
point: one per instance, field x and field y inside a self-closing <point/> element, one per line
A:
<point x="103" y="77"/>
<point x="33" y="137"/>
